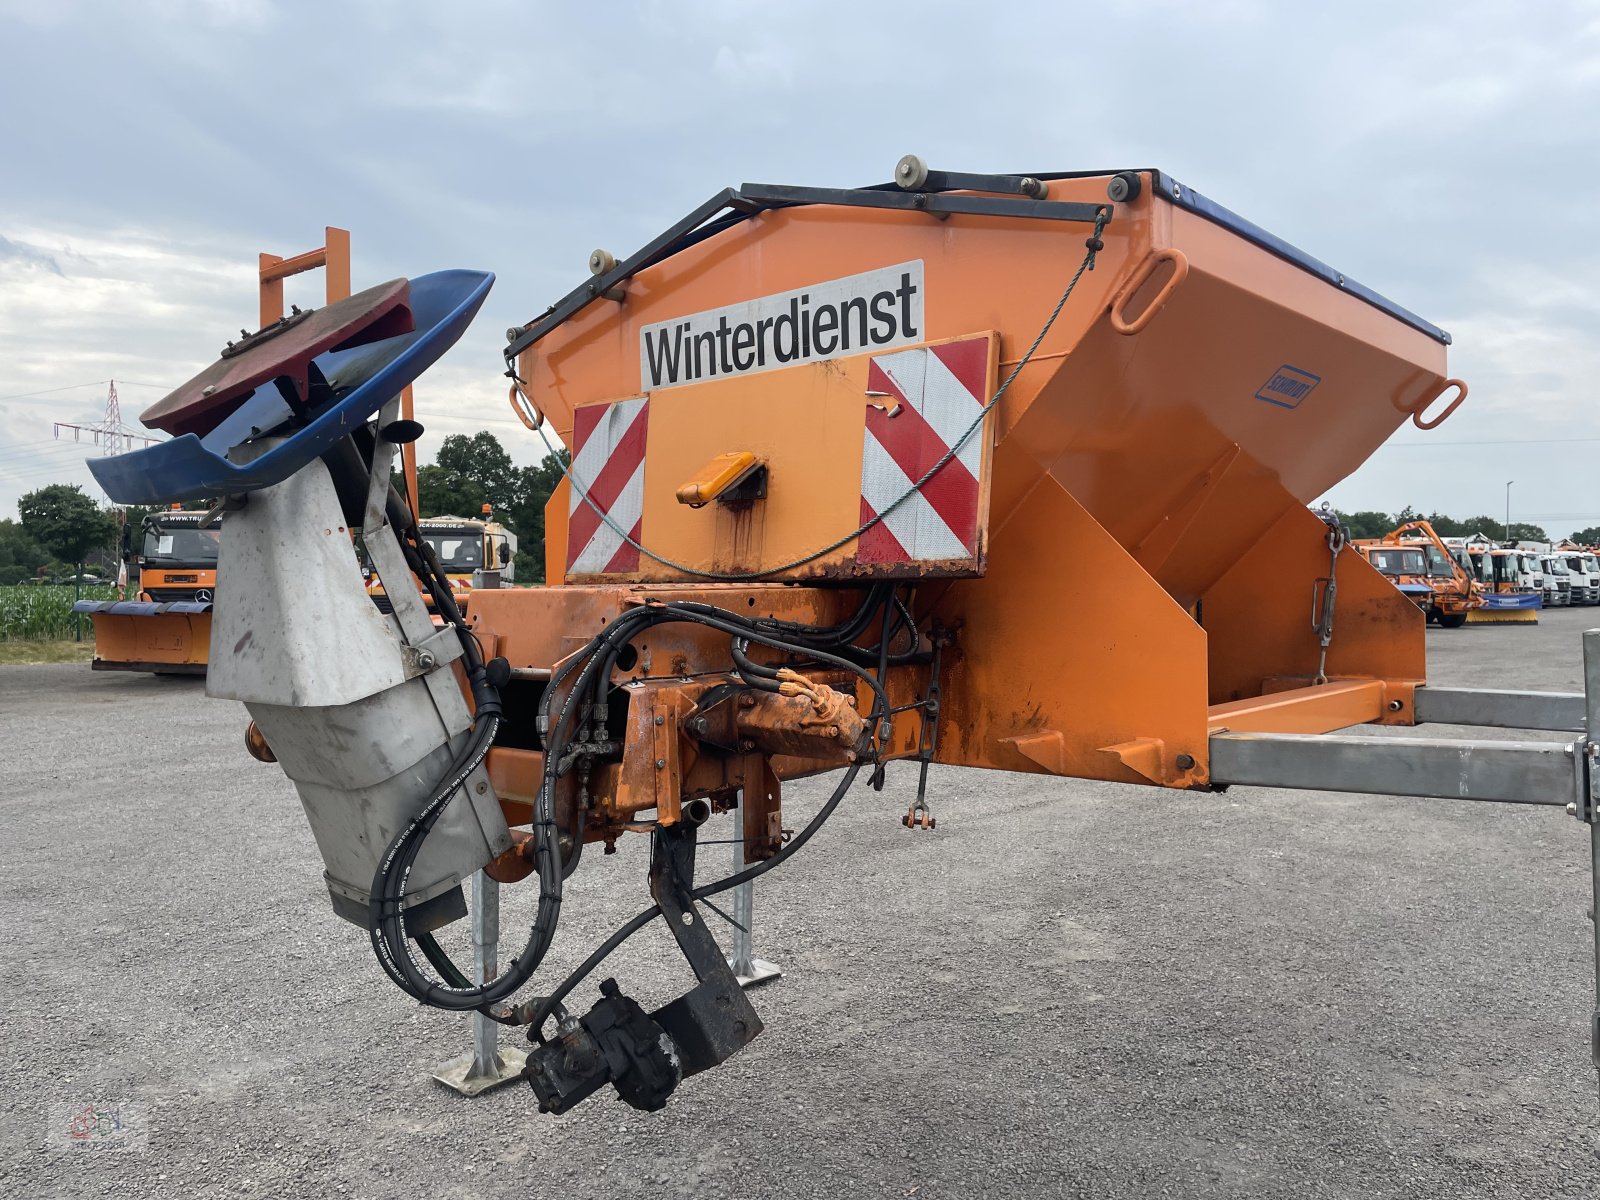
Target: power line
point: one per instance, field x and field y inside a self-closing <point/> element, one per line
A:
<point x="29" y="449"/>
<point x="41" y="477"/>
<point x="1490" y="442"/>
<point x="72" y="387"/>
<point x="76" y="452"/>
<point x="44" y="451"/>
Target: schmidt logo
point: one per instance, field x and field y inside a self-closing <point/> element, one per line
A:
<point x="1287" y="386"/>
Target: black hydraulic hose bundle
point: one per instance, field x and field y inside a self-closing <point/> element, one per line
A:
<point x="387" y="919"/>
<point x="389" y="881"/>
<point x="540" y="1010"/>
<point x="536" y="1012"/>
<point x="819" y="645"/>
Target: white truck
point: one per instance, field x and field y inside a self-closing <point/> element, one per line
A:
<point x="1584" y="570"/>
<point x="1557" y="576"/>
<point x="1557" y="581"/>
<point x="1498" y="568"/>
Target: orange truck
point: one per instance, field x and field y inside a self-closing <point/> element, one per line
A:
<point x="1417" y="561"/>
<point x="466" y="547"/>
<point x="167" y="628"/>
<point x="1513" y="590"/>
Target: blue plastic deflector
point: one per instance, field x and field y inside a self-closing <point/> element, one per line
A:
<point x="443" y="304"/>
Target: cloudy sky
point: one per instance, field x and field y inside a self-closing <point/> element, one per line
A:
<point x="1445" y="154"/>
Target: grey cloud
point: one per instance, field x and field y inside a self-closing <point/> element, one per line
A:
<point x="28" y="256"/>
<point x="1445" y="154"/>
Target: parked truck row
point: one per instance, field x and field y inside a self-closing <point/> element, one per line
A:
<point x="1560" y="573"/>
<point x="166" y="627"/>
<point x="1481" y="580"/>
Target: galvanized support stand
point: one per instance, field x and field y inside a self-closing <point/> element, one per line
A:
<point x="1565" y="775"/>
<point x="489" y="1065"/>
<point x="750" y="969"/>
<point x="1589" y="802"/>
<point x="1594" y="1019"/>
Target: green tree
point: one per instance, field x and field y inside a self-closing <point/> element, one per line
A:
<point x="1367" y="524"/>
<point x="1449" y="527"/>
<point x="466" y="474"/>
<point x="469" y="472"/>
<point x="65" y="522"/>
<point x="1372" y="524"/>
<point x="526" y="514"/>
<point x="1587" y="536"/>
<point x="20" y="556"/>
<point x="68" y="524"/>
<point x="1490" y="527"/>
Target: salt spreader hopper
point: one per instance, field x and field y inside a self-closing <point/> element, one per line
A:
<point x="988" y="470"/>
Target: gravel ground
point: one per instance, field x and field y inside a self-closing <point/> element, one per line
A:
<point x="1069" y="989"/>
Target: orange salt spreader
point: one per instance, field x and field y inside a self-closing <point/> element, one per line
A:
<point x="1004" y="471"/>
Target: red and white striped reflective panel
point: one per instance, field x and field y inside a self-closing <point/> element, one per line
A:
<point x="930" y="395"/>
<point x="607" y="464"/>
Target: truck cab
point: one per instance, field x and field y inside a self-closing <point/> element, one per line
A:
<point x="177" y="560"/>
<point x="1557" y="581"/>
<point x="463" y="545"/>
<point x="1530" y="572"/>
<point x="166" y="629"/>
<point x="1405" y="566"/>
<point x="1584" y="573"/>
<point x="1591" y="571"/>
<point x="1420" y="564"/>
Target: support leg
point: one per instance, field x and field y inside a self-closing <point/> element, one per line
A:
<point x="1594" y="1018"/>
<point x="489" y="1065"/>
<point x="750" y="969"/>
<point x="1591" y="688"/>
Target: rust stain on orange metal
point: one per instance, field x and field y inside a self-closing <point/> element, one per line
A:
<point x="1065" y="633"/>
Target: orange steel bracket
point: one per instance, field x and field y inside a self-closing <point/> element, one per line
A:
<point x="1304" y="709"/>
<point x="334" y="259"/>
<point x="556" y="511"/>
<point x="1072" y="660"/>
<point x="1258" y="616"/>
<point x="333" y="256"/>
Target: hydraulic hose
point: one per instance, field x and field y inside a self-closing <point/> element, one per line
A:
<point x="594" y="665"/>
<point x="546" y="1005"/>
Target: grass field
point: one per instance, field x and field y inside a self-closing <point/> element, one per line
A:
<point x="32" y="652"/>
<point x="41" y="614"/>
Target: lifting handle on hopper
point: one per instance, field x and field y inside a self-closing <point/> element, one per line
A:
<point x="1423" y="406"/>
<point x="1136" y="282"/>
